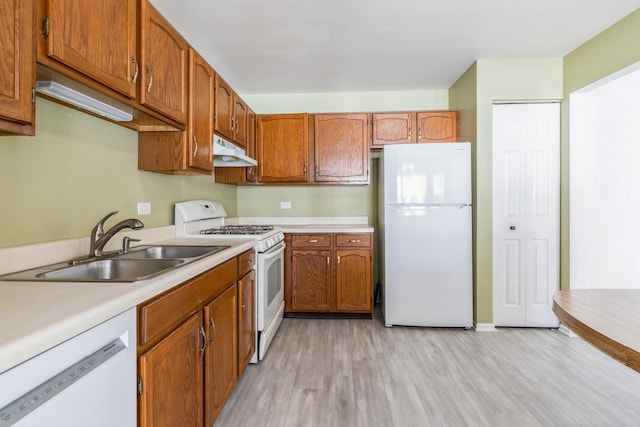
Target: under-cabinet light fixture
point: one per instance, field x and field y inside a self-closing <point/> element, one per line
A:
<point x="82" y="101"/>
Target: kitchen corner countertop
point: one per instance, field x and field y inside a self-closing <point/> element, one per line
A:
<point x="37" y="316"/>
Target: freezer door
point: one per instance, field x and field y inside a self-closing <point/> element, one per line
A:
<point x="435" y="173"/>
<point x="428" y="266"/>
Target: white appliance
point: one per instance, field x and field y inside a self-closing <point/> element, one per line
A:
<point x="425" y="224"/>
<point x="89" y="380"/>
<point x="205" y="219"/>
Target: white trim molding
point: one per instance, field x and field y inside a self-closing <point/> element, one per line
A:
<point x="485" y="327"/>
<point x="564" y="330"/>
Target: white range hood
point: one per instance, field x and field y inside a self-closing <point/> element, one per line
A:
<point x="226" y="154"/>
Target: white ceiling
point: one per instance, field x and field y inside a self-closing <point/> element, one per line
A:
<point x="289" y="46"/>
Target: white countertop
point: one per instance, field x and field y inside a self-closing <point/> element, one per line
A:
<point x="313" y="224"/>
<point x="36" y="316"/>
<point x="326" y="228"/>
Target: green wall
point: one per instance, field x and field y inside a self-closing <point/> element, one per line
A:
<point x="497" y="80"/>
<point x="76" y="169"/>
<point x="608" y="52"/>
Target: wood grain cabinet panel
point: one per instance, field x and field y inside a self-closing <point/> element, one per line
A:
<point x="200" y="130"/>
<point x="171" y="375"/>
<point x="17" y="68"/>
<point x="393" y="128"/>
<point x="341" y="147"/>
<point x="311" y="281"/>
<point x="221" y="357"/>
<point x="246" y="320"/>
<point x="224" y="125"/>
<point x="353" y="280"/>
<point x="98" y="39"/>
<point x="163" y="65"/>
<point x="240" y="116"/>
<point x="282" y="147"/>
<point x="437" y="126"/>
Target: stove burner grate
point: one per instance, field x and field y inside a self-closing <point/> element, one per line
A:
<point x="238" y="229"/>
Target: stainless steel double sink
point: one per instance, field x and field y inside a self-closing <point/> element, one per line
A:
<point x="139" y="263"/>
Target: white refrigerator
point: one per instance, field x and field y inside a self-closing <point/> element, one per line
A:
<point x="425" y="226"/>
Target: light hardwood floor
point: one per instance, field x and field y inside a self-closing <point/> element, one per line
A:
<point x="336" y="372"/>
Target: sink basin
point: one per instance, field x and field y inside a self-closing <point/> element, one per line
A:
<point x="170" y="252"/>
<point x="113" y="270"/>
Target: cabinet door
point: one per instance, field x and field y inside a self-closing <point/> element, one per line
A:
<point x="171" y="373"/>
<point x="163" y="65"/>
<point x="201" y="113"/>
<point x="393" y="128"/>
<point x="18" y="66"/>
<point x="353" y="280"/>
<point x="224" y="124"/>
<point x="341" y="148"/>
<point x="97" y="39"/>
<point x="240" y="114"/>
<point x="246" y="320"/>
<point x="311" y="285"/>
<point x="282" y="147"/>
<point x="437" y="126"/>
<point x="221" y="357"/>
<point x="251" y="174"/>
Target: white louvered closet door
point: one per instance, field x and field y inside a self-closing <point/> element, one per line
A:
<point x="526" y="213"/>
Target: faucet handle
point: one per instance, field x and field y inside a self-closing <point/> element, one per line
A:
<point x="126" y="243"/>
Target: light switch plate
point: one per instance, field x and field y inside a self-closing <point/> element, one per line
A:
<point x="144" y="208"/>
<point x="285" y="205"/>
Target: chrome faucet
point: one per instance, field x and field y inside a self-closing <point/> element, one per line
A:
<point x="99" y="237"/>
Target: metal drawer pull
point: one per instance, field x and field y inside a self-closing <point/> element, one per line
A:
<point x="134" y="79"/>
<point x="204" y="340"/>
<point x="313" y="241"/>
<point x="150" y="79"/>
<point x="249" y="261"/>
<point x="353" y="241"/>
<point x="195" y="146"/>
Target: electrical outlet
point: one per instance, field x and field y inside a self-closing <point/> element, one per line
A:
<point x="144" y="208"/>
<point x="285" y="205"/>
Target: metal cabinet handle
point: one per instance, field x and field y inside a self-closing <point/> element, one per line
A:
<point x="353" y="241"/>
<point x="317" y="169"/>
<point x="419" y="133"/>
<point x="233" y="125"/>
<point x="244" y="299"/>
<point x="313" y="241"/>
<point x="328" y="263"/>
<point x="195" y="145"/>
<point x="204" y="340"/>
<point x="213" y="325"/>
<point x="150" y="79"/>
<point x="338" y="260"/>
<point x="304" y="169"/>
<point x="409" y="133"/>
<point x="249" y="261"/>
<point x="134" y="79"/>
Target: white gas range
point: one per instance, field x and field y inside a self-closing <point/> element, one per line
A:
<point x="205" y="219"/>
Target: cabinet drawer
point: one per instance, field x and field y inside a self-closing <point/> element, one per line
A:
<point x="353" y="240"/>
<point x="160" y="315"/>
<point x="311" y="240"/>
<point x="246" y="261"/>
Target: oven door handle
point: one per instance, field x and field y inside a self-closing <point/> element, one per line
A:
<point x="274" y="251"/>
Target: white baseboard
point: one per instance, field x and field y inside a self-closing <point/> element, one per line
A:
<point x="566" y="331"/>
<point x="485" y="327"/>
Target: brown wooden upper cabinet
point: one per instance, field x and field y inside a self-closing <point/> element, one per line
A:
<point x="242" y="175"/>
<point x="200" y="129"/>
<point x="231" y="114"/>
<point x="98" y="39"/>
<point x="282" y="146"/>
<point x="341" y="148"/>
<point x="163" y="65"/>
<point x="17" y="37"/>
<point x="411" y="127"/>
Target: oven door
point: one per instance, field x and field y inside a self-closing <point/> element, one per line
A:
<point x="270" y="283"/>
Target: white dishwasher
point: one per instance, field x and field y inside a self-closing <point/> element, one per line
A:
<point x="87" y="381"/>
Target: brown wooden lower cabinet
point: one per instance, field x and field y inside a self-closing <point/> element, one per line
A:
<point x="189" y="346"/>
<point x="329" y="273"/>
<point x="221" y="357"/>
<point x="246" y="320"/>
